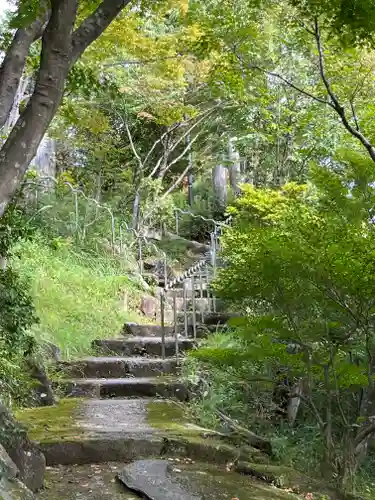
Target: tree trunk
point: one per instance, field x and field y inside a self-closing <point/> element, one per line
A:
<point x="60" y="50"/>
<point x="14" y="63"/>
<point x="219" y="182"/>
<point x="23" y="141"/>
<point x="44" y="162"/>
<point x="136" y="209"/>
<point x="294" y="403"/>
<point x="234" y="169"/>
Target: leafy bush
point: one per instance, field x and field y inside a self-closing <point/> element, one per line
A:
<point x="17" y="313"/>
<point x="299" y="262"/>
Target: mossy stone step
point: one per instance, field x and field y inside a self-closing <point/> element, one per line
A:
<point x="136" y="330"/>
<point x="85" y="431"/>
<point x="118" y="367"/>
<point x="141" y="346"/>
<point x="135" y="387"/>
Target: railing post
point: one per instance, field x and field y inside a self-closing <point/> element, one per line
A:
<point x="193" y="307"/>
<point x="201" y="292"/>
<point x="162" y="323"/>
<point x="165" y="271"/>
<point x="76" y="213"/>
<point x="177" y="222"/>
<point x="140" y="255"/>
<point x="207" y="289"/>
<point x="185" y="309"/>
<point x="175" y="324"/>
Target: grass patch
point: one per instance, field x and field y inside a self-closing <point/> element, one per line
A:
<point x="51" y="423"/>
<point x="165" y="415"/>
<point x="77" y="297"/>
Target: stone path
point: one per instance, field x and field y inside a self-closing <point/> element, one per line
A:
<point x="128" y="367"/>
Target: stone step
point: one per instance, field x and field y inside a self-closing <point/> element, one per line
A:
<point x="179" y="292"/>
<point x="141" y="346"/>
<point x="211" y="319"/>
<point x="166" y="387"/>
<point x="154" y="331"/>
<point x="118" y="367"/>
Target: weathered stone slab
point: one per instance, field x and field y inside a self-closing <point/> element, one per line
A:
<point x="124" y="387"/>
<point x="13" y="489"/>
<point x="146" y="330"/>
<point x="141" y="346"/>
<point x="118" y="367"/>
<point x="26" y="456"/>
<point x="7" y="467"/>
<point x="185" y="480"/>
<point x="150" y="478"/>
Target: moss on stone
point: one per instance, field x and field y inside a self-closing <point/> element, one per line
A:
<point x="52" y="423"/>
<point x="165" y="415"/>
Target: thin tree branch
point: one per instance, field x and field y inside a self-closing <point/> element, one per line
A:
<point x="335" y="103"/>
<point x="94" y="25"/>
<point x="188" y="147"/>
<point x="355" y="117"/>
<point x="176" y="183"/>
<point x="204" y="115"/>
<point x="284" y="80"/>
<point x="139" y="61"/>
<point x="169" y="131"/>
<point x="364" y="433"/>
<point x="140" y="163"/>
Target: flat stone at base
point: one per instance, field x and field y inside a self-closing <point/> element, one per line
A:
<point x="150" y="478"/>
<point x="184" y="480"/>
<point x="13" y="489"/>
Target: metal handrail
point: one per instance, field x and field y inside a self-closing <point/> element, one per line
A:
<point x="195" y="271"/>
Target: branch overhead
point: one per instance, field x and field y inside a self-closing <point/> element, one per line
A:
<point x="94" y="25"/>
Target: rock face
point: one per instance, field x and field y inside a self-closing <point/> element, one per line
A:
<point x="43" y="393"/>
<point x="11" y="488"/>
<point x="26" y="456"/>
<point x="166" y="480"/>
<point x="149" y="306"/>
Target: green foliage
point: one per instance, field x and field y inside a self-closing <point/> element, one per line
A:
<point x="78" y="296"/>
<point x="17" y="312"/>
<point x="352" y="20"/>
<point x="13" y="228"/>
<point x="299" y="263"/>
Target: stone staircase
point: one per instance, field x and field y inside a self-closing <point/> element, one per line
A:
<point x="143" y="362"/>
<point x="132" y="366"/>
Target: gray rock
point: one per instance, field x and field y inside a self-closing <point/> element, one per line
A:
<point x="43" y="393"/>
<point x="150" y="478"/>
<point x="13" y="489"/>
<point x="7" y="467"/>
<point x="149" y="306"/>
<point x="51" y="351"/>
<point x="185" y="480"/>
<point x="31" y="464"/>
<point x="25" y="454"/>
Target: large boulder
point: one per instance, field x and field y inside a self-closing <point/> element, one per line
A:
<point x="11" y="488"/>
<point x="186" y="480"/>
<point x="26" y="456"/>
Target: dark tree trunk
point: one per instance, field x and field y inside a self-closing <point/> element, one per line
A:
<point x="14" y="63"/>
<point x="219" y="184"/>
<point x="23" y="141"/>
<point x="60" y="50"/>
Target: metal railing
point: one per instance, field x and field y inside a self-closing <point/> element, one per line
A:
<point x="201" y="274"/>
<point x="118" y="229"/>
